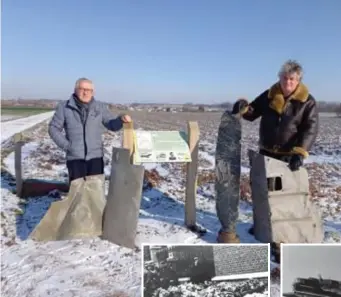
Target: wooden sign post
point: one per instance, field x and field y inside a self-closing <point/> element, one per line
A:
<point x="128" y="139"/>
<point x="31" y="187"/>
<point x="191" y="175"/>
<point x="18" y="143"/>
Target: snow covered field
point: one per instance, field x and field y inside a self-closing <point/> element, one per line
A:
<point x="8" y="129"/>
<point x="98" y="268"/>
<point x="5" y="118"/>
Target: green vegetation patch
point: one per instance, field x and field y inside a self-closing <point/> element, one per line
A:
<point x="24" y="110"/>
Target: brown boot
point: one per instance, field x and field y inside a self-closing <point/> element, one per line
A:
<point x="227" y="237"/>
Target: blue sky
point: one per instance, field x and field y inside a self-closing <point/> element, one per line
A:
<point x="163" y="51"/>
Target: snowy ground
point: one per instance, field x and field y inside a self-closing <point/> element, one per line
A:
<point x="163" y="281"/>
<point x="8" y="129"/>
<point x="6" y="117"/>
<point x="98" y="268"/>
<point x="214" y="289"/>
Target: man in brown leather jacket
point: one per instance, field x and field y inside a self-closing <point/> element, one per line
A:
<point x="289" y="117"/>
<point x="288" y="129"/>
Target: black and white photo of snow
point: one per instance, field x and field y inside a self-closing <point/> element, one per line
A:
<point x="205" y="270"/>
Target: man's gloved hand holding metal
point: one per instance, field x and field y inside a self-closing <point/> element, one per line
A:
<point x="239" y="106"/>
<point x="296" y="161"/>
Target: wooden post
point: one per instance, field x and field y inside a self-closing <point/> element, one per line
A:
<point x="128" y="139"/>
<point x="18" y="143"/>
<point x="191" y="178"/>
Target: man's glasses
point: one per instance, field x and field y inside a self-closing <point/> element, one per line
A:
<point x="85" y="90"/>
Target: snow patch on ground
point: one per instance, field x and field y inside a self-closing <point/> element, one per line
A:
<point x="158" y="167"/>
<point x="69" y="268"/>
<point x="9" y="128"/>
<point x="9" y="117"/>
<point x="321" y="159"/>
<point x="26" y="151"/>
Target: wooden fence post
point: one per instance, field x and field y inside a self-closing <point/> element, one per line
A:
<point x="128" y="139"/>
<point x="18" y="143"/>
<point x="191" y="178"/>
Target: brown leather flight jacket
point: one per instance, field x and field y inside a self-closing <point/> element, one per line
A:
<point x="287" y="126"/>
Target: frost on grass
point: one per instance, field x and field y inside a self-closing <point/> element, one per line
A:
<point x="99" y="268"/>
<point x="69" y="268"/>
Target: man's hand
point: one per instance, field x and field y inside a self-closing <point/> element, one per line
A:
<point x="239" y="106"/>
<point x="296" y="162"/>
<point x="126" y="118"/>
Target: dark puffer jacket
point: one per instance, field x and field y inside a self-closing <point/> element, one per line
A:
<point x="79" y="135"/>
<point x="287" y="125"/>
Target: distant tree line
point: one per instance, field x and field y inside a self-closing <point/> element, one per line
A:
<point x="323" y="106"/>
<point x="329" y="107"/>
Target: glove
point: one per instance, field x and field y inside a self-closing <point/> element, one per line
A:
<point x="239" y="106"/>
<point x="296" y="162"/>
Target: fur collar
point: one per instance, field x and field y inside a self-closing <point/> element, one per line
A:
<point x="278" y="103"/>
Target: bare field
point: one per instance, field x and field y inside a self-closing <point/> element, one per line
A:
<point x="324" y="164"/>
<point x="162" y="211"/>
<point x="328" y="141"/>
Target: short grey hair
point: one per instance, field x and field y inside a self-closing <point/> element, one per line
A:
<point x="82" y="79"/>
<point x="290" y="67"/>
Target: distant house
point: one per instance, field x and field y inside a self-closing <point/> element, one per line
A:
<point x="201" y="108"/>
<point x="190" y="108"/>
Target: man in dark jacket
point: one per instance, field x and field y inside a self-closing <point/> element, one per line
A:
<point x="289" y="117"/>
<point x="288" y="127"/>
<point x="83" y="120"/>
<point x="202" y="270"/>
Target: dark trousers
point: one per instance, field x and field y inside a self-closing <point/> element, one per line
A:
<point x="83" y="168"/>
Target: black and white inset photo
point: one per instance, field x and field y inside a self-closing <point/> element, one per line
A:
<point x="311" y="270"/>
<point x="206" y="270"/>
